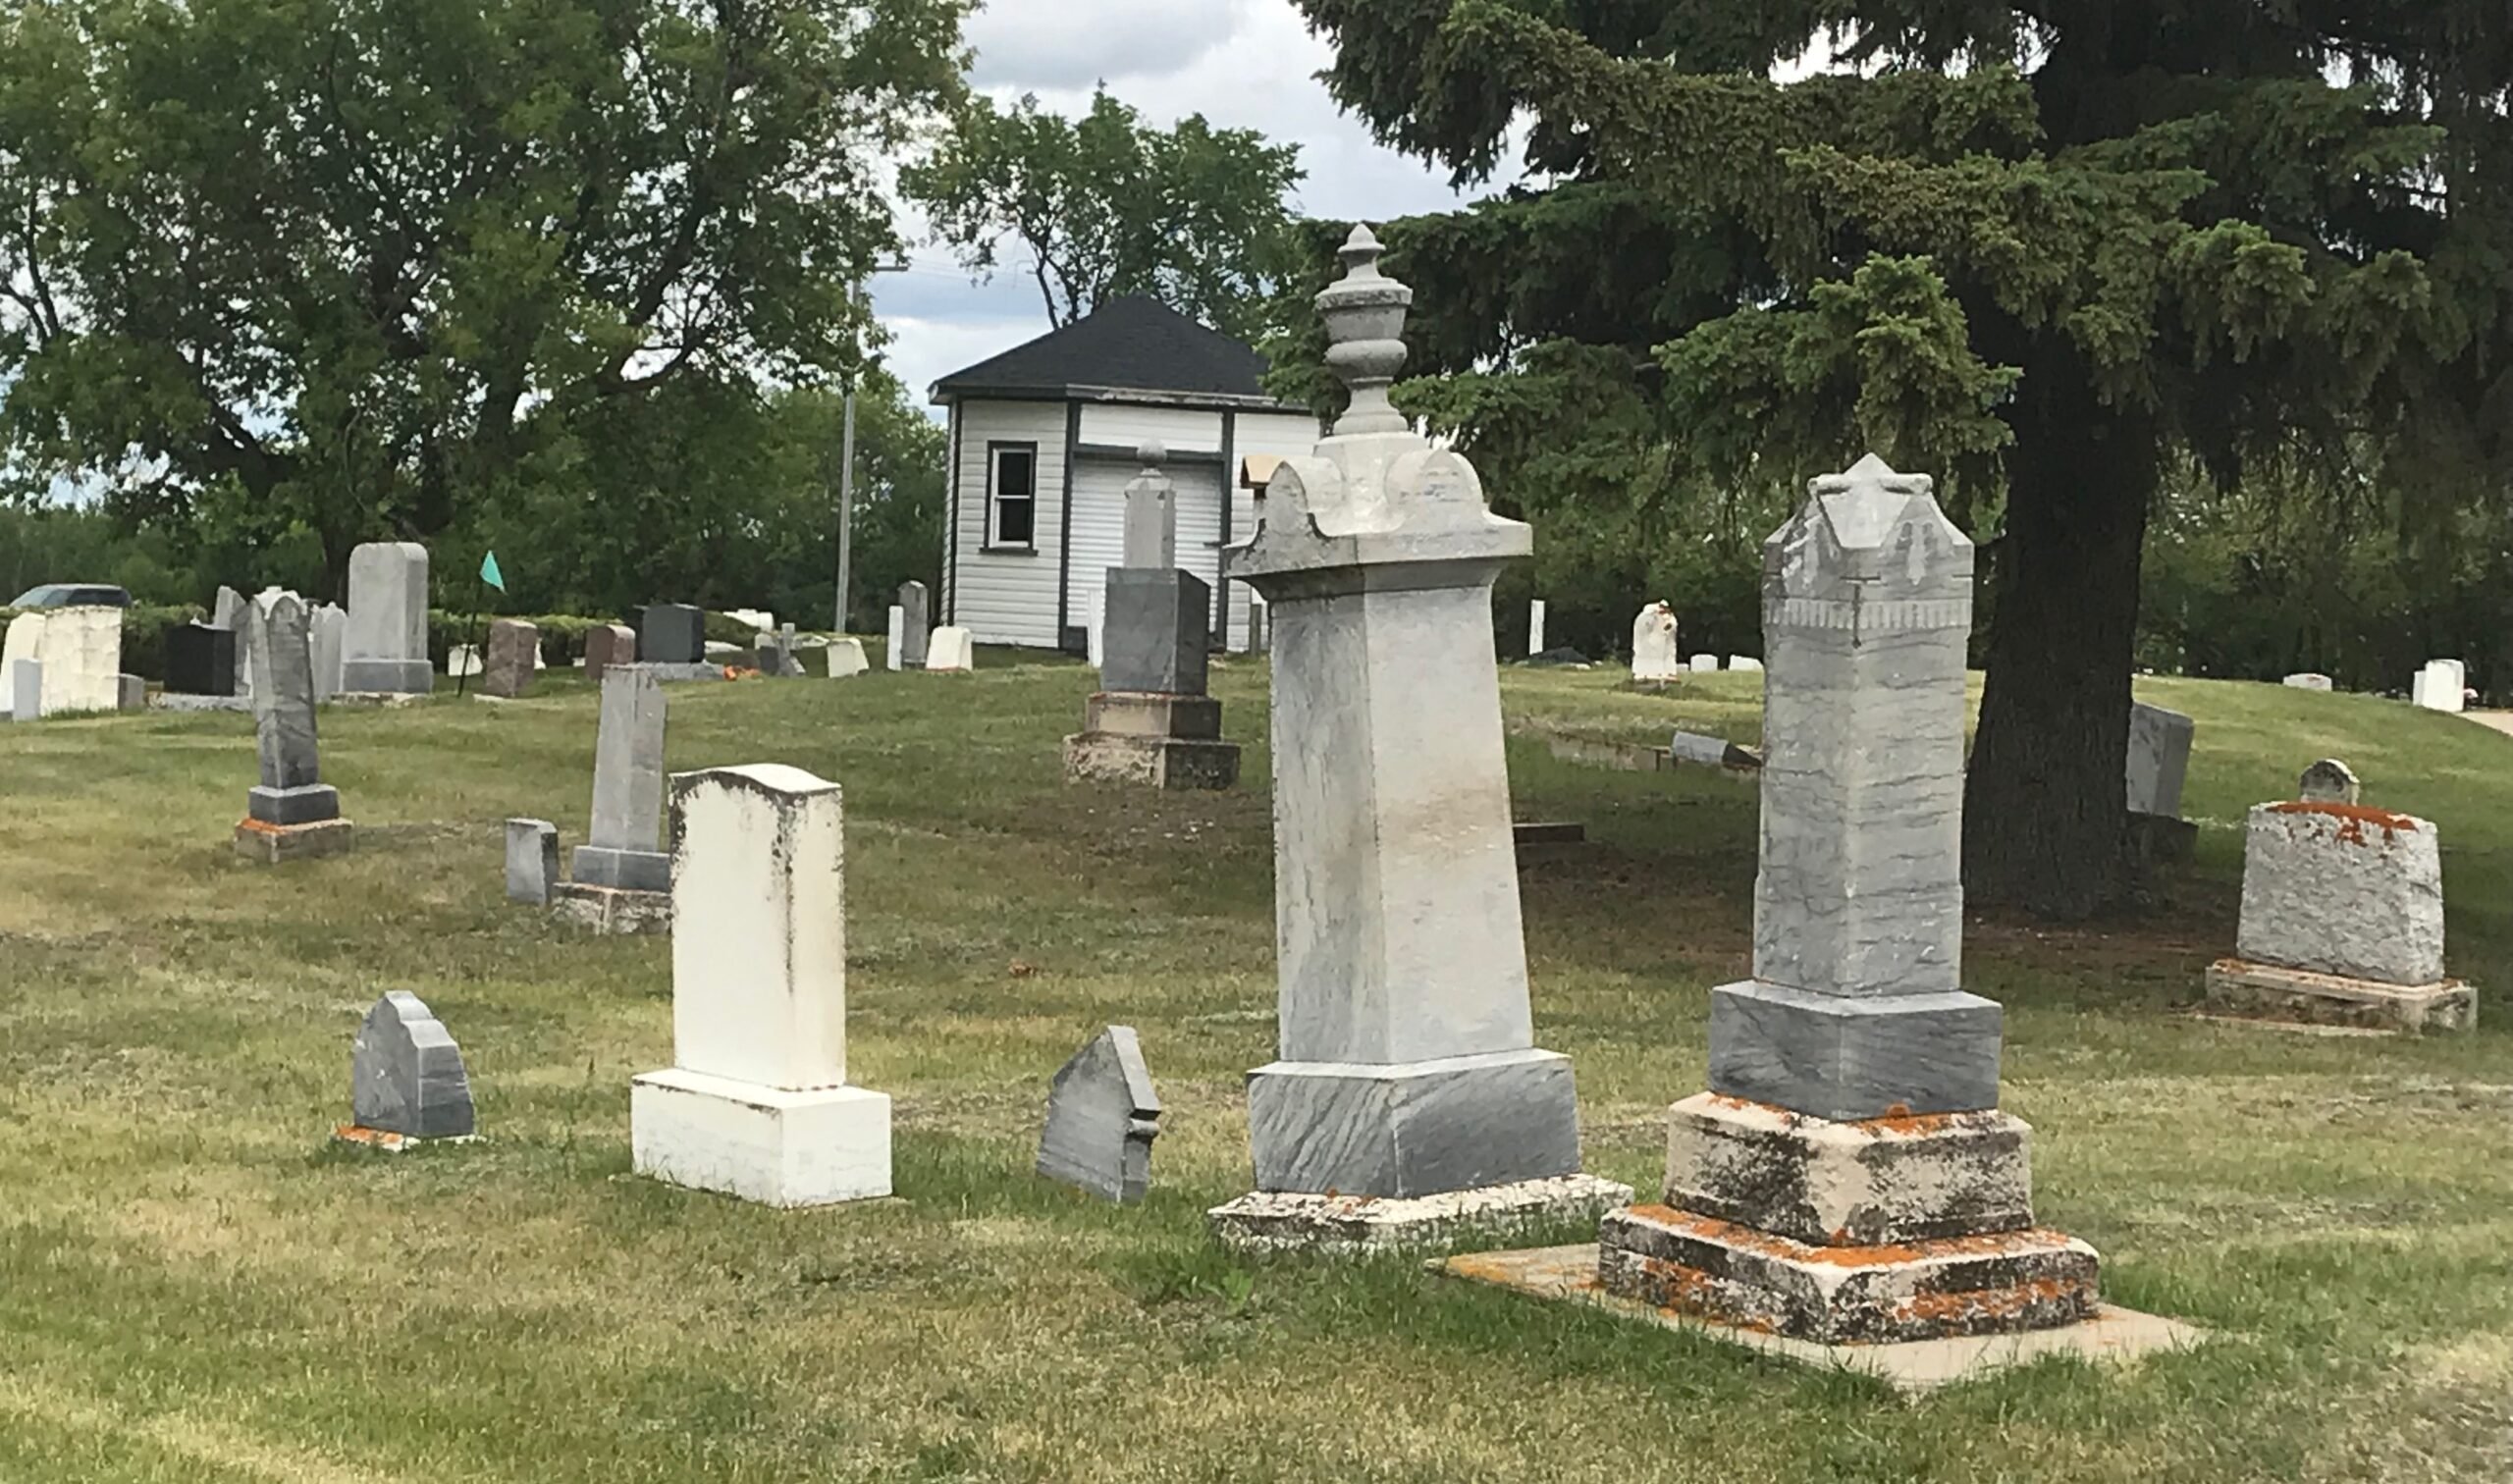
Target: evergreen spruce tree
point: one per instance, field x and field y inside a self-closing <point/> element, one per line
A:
<point x="2050" y="252"/>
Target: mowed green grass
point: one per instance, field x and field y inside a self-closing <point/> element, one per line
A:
<point x="194" y="1287"/>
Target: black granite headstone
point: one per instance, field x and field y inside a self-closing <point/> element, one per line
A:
<point x="673" y="633"/>
<point x="200" y="660"/>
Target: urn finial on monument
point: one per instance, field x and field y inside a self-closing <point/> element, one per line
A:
<point x="1364" y="313"/>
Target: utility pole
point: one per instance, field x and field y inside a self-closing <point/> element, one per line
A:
<point x="845" y="511"/>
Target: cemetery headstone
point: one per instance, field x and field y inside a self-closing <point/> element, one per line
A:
<point x="951" y="650"/>
<point x="462" y="661"/>
<point x="227" y="612"/>
<point x="387" y="640"/>
<point x="847" y="658"/>
<point x="1712" y="752"/>
<point x="330" y="627"/>
<point x="607" y="644"/>
<point x="916" y="624"/>
<point x="1848" y="1177"/>
<point x="778" y="659"/>
<point x="26" y="689"/>
<point x="1653" y="646"/>
<point x="2308" y="682"/>
<point x="532" y="861"/>
<point x="1410" y="1098"/>
<point x="757" y="620"/>
<point x="291" y="813"/>
<point x="514" y="645"/>
<point x="1102" y="1116"/>
<point x="2342" y="921"/>
<point x="895" y="657"/>
<point x="1744" y="663"/>
<point x="1536" y="626"/>
<point x="2159" y="759"/>
<point x="1152" y="723"/>
<point x="757" y="1103"/>
<point x="200" y="660"/>
<point x="406" y="1080"/>
<point x="81" y="652"/>
<point x="622" y="881"/>
<point x="133" y="692"/>
<point x="2329" y="781"/>
<point x="2443" y="685"/>
<point x="1705" y="664"/>
<point x="673" y="633"/>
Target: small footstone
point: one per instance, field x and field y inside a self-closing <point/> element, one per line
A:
<point x="847" y="658"/>
<point x="406" y="1074"/>
<point x="532" y="861"/>
<point x="1102" y="1116"/>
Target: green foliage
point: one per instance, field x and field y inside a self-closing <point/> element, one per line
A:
<point x="1106" y="205"/>
<point x="2049" y="253"/>
<point x="346" y="269"/>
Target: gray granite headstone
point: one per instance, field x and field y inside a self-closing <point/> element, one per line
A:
<point x="1102" y="1116"/>
<point x="915" y="622"/>
<point x="201" y="659"/>
<point x="1157" y="631"/>
<point x="627" y="786"/>
<point x="532" y="861"/>
<point x="406" y="1073"/>
<point x="1151" y="515"/>
<point x="2329" y="782"/>
<point x="1856" y="1007"/>
<point x="281" y="661"/>
<point x="673" y="633"/>
<point x="2159" y="759"/>
<point x="386" y="643"/>
<point x="25" y="690"/>
<point x="133" y="692"/>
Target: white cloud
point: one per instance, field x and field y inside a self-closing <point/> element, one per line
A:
<point x="1243" y="63"/>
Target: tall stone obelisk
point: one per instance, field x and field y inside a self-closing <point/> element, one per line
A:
<point x="1409" y="1094"/>
<point x="1848" y="1177"/>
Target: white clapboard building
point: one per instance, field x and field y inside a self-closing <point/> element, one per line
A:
<point x="1045" y="439"/>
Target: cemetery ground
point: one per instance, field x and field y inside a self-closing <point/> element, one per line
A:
<point x="194" y="1285"/>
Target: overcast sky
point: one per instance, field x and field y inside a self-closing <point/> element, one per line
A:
<point x="1247" y="64"/>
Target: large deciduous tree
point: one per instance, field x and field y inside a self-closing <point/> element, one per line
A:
<point x="372" y="266"/>
<point x="2048" y="252"/>
<point x="1106" y="204"/>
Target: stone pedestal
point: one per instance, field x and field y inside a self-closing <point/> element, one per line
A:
<point x="1159" y="741"/>
<point x="515" y="647"/>
<point x="1848" y="1179"/>
<point x="757" y="1104"/>
<point x="1407" y="1063"/>
<point x="2342" y="921"/>
<point x="386" y="648"/>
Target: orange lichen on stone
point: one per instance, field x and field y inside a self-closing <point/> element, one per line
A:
<point x="2004" y="1302"/>
<point x="1899" y="1119"/>
<point x="2352" y="818"/>
<point x="260" y="826"/>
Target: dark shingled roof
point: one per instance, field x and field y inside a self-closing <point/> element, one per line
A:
<point x="1128" y="349"/>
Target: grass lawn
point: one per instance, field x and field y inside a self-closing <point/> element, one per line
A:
<point x="193" y="1287"/>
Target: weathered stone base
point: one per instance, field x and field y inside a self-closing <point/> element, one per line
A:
<point x="1853" y="1057"/>
<point x="401" y="677"/>
<point x="2242" y="988"/>
<point x="1165" y="762"/>
<point x="2162" y="840"/>
<point x="179" y="700"/>
<point x="270" y="844"/>
<point x="768" y="1145"/>
<point x="1731" y="1274"/>
<point x="310" y="804"/>
<point x="1884" y="1181"/>
<point x="677" y="674"/>
<point x="608" y="910"/>
<point x="1273" y="1221"/>
<point x="621" y="869"/>
<point x="1153" y="713"/>
<point x="1413" y="1128"/>
<point x="1570" y="1273"/>
<point x="387" y="1142"/>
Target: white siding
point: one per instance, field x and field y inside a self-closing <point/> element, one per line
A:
<point x="1117" y="425"/>
<point x="1100" y="523"/>
<point x="1008" y="597"/>
<point x="1278" y="433"/>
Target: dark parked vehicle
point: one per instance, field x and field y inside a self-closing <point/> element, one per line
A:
<point x="58" y="595"/>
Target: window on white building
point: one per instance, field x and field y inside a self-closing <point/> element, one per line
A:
<point x="1012" y="496"/>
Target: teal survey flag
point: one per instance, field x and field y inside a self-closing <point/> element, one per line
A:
<point x="489" y="574"/>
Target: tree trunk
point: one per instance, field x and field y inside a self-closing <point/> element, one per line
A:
<point x="2044" y="807"/>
